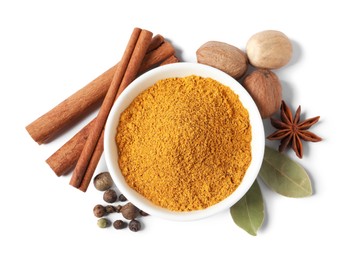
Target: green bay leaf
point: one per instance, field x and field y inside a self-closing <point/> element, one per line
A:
<point x="283" y="175"/>
<point x="248" y="212"/>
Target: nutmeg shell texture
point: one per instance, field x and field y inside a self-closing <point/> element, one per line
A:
<point x="265" y="88"/>
<point x="223" y="56"/>
<point x="269" y="49"/>
<point x="103" y="181"/>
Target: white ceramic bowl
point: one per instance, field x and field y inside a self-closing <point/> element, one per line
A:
<point x="145" y="81"/>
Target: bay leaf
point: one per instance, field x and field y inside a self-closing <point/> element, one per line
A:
<point x="283" y="175"/>
<point x="248" y="212"/>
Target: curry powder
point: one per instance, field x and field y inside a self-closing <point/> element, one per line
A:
<point x="185" y="143"/>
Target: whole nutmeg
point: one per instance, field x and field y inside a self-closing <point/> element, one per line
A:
<point x="129" y="211"/>
<point x="269" y="49"/>
<point x="223" y="56"/>
<point x="103" y="181"/>
<point x="265" y="88"/>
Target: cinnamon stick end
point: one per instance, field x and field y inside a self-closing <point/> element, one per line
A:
<point x="170" y="60"/>
<point x="34" y="134"/>
<point x="59" y="171"/>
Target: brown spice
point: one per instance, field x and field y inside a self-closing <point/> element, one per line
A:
<point x="143" y="213"/>
<point x="291" y="130"/>
<point x="122" y="198"/>
<point x="118" y="208"/>
<point x="170" y="60"/>
<point x="185" y="143"/>
<point x="47" y="126"/>
<point x="129" y="211"/>
<point x="126" y="72"/>
<point x="119" y="224"/>
<point x="103" y="181"/>
<point x="110" y="196"/>
<point x="110" y="209"/>
<point x="65" y="158"/>
<point x="99" y="211"/>
<point x="134" y="225"/>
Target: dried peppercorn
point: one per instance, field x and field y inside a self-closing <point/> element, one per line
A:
<point x="119" y="224"/>
<point x="129" y="211"/>
<point x="110" y="209"/>
<point x="118" y="208"/>
<point x="99" y="211"/>
<point x="110" y="196"/>
<point x="143" y="213"/>
<point x="122" y="198"/>
<point x="103" y="223"/>
<point x="134" y="225"/>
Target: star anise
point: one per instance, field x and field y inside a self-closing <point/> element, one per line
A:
<point x="291" y="131"/>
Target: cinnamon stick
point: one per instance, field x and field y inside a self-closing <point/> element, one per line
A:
<point x="170" y="60"/>
<point x="99" y="148"/>
<point x="163" y="52"/>
<point x="129" y="76"/>
<point x="47" y="126"/>
<point x="65" y="158"/>
<point x="93" y="164"/>
<point x="126" y="71"/>
<point x="135" y="62"/>
<point x="155" y="42"/>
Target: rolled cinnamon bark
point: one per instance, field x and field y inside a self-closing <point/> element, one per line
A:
<point x="125" y="74"/>
<point x="93" y="164"/>
<point x="169" y="60"/>
<point x="47" y="126"/>
<point x="65" y="158"/>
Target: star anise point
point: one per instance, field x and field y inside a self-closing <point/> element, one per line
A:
<point x="291" y="131"/>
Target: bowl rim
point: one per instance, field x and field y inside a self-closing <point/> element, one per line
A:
<point x="145" y="81"/>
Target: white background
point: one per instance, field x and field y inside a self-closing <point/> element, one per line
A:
<point x="50" y="50"/>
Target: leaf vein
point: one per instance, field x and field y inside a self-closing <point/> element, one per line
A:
<point x="287" y="177"/>
<point x="249" y="215"/>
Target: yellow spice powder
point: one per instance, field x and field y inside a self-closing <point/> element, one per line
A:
<point x="185" y="143"/>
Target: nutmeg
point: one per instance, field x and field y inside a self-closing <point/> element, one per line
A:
<point x="265" y="88"/>
<point x="103" y="181"/>
<point x="269" y="49"/>
<point x="223" y="56"/>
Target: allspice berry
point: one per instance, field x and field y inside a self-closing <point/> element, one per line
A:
<point x="118" y="208"/>
<point x="134" y="225"/>
<point x="99" y="211"/>
<point x="269" y="49"/>
<point x="122" y="198"/>
<point x="119" y="224"/>
<point x="143" y="213"/>
<point x="110" y="209"/>
<point x="103" y="181"/>
<point x="110" y="196"/>
<point x="129" y="211"/>
<point x="265" y="89"/>
<point x="103" y="223"/>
